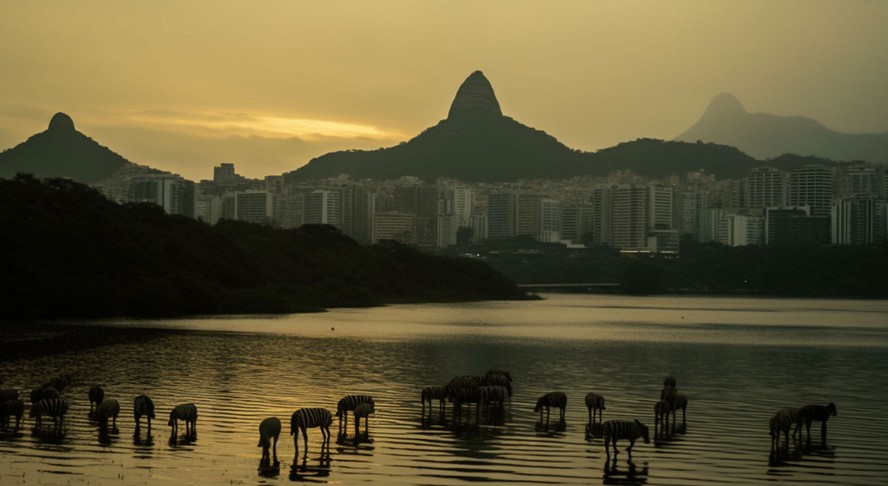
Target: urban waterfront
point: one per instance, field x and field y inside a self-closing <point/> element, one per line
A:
<point x="738" y="360"/>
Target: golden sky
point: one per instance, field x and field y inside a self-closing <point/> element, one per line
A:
<point x="184" y="85"/>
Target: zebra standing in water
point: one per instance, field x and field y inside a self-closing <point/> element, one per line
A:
<point x="550" y="400"/>
<point x="434" y="392"/>
<point x="821" y="413"/>
<point x="348" y="404"/>
<point x="681" y="403"/>
<point x="143" y="405"/>
<point x="96" y="395"/>
<point x="781" y="422"/>
<point x="269" y="429"/>
<point x="661" y="419"/>
<point x="54" y="407"/>
<point x="363" y="411"/>
<point x="186" y="412"/>
<point x="109" y="408"/>
<point x="44" y="393"/>
<point x="462" y="389"/>
<point x="307" y="418"/>
<point x="595" y="402"/>
<point x="623" y="429"/>
<point x="8" y="408"/>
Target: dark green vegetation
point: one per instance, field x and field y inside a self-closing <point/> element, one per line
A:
<point x="815" y="271"/>
<point x="67" y="251"/>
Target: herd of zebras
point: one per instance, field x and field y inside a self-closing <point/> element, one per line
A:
<point x="490" y="393"/>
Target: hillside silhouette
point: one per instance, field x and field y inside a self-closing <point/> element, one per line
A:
<point x="764" y="135"/>
<point x="69" y="252"/>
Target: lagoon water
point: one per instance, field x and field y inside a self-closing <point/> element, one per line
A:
<point x="738" y="360"/>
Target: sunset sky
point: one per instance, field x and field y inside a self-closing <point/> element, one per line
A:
<point x="185" y="85"/>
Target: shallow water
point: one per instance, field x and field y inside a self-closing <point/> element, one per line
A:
<point x="737" y="360"/>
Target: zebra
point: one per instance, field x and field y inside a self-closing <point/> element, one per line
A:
<point x="347" y="404"/>
<point x="821" y="413"/>
<point x="551" y="399"/>
<point x="661" y="419"/>
<point x="270" y="428"/>
<point x="363" y="411"/>
<point x="681" y="402"/>
<point x="143" y="405"/>
<point x="466" y="396"/>
<point x="595" y="402"/>
<point x="498" y="380"/>
<point x="670" y="381"/>
<point x="186" y="412"/>
<point x="9" y="394"/>
<point x="492" y="395"/>
<point x="96" y="394"/>
<point x="668" y="393"/>
<point x="434" y="392"/>
<point x="109" y="408"/>
<point x="464" y="382"/>
<point x="43" y="393"/>
<point x="783" y="421"/>
<point x="8" y="408"/>
<point x="54" y="407"/>
<point x="59" y="382"/>
<point x="307" y="418"/>
<point x="623" y="429"/>
<point x="495" y="372"/>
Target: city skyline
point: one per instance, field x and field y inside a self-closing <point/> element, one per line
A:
<point x="184" y="87"/>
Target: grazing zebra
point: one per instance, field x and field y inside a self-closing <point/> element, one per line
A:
<point x="186" y="412"/>
<point x="54" y="407"/>
<point x="498" y="380"/>
<point x="661" y="419"/>
<point x="8" y="395"/>
<point x="44" y="393"/>
<point x="434" y="392"/>
<point x="623" y="429"/>
<point x="549" y="400"/>
<point x="595" y="402"/>
<point x="307" y="418"/>
<point x="668" y="393"/>
<point x="348" y="404"/>
<point x="821" y="413"/>
<point x="143" y="405"/>
<point x="96" y="394"/>
<point x="780" y="422"/>
<point x="464" y="382"/>
<point x="269" y="428"/>
<point x="109" y="408"/>
<point x="9" y="408"/>
<point x="363" y="411"/>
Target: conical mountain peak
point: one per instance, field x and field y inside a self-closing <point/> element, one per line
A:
<point x="474" y="98"/>
<point x="724" y="105"/>
<point x="61" y="122"/>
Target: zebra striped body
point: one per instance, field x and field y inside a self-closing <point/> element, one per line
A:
<point x="363" y="411"/>
<point x="623" y="429"/>
<point x="465" y="382"/>
<point x="9" y="408"/>
<point x="551" y="400"/>
<point x="820" y="413"/>
<point x="782" y="422"/>
<point x="668" y="393"/>
<point x="186" y="412"/>
<point x="681" y="403"/>
<point x="45" y="393"/>
<point x="498" y="380"/>
<point x="348" y="404"/>
<point x="109" y="408"/>
<point x="595" y="402"/>
<point x="661" y="419"/>
<point x="496" y="372"/>
<point x="307" y="418"/>
<point x="96" y="395"/>
<point x="434" y="392"/>
<point x="8" y="395"/>
<point x="143" y="406"/>
<point x="495" y="395"/>
<point x="466" y="396"/>
<point x="53" y="407"/>
<point x="269" y="429"/>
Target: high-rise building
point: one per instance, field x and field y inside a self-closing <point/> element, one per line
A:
<point x="600" y="199"/>
<point x="811" y="185"/>
<point x="173" y="193"/>
<point x="223" y="172"/>
<point x="854" y="221"/>
<point x="502" y="214"/>
<point x="629" y="223"/>
<point x="322" y="207"/>
<point x="766" y="188"/>
<point x="255" y="207"/>
<point x="549" y="229"/>
<point x="795" y="226"/>
<point x="740" y="230"/>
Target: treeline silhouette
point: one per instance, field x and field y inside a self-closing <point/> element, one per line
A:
<point x="802" y="271"/>
<point x="67" y="251"/>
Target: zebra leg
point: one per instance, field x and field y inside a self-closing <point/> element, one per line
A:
<point x="822" y="433"/>
<point x="275" y="449"/>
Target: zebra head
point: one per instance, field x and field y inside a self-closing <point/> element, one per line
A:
<point x="831" y="409"/>
<point x="265" y="442"/>
<point x="172" y="421"/>
<point x="642" y="428"/>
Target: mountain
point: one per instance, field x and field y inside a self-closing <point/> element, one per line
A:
<point x="61" y="151"/>
<point x="763" y="135"/>
<point x="476" y="143"/>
